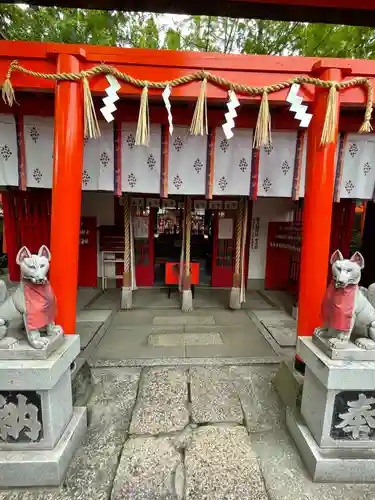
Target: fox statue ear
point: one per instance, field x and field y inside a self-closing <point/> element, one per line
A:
<point x="337" y="255"/>
<point x="358" y="259"/>
<point x="24" y="253"/>
<point x="44" y="252"/>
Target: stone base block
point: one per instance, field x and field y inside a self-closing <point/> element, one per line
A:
<point x="331" y="465"/>
<point x="350" y="353"/>
<point x="47" y="467"/>
<point x="289" y="383"/>
<point x="16" y="346"/>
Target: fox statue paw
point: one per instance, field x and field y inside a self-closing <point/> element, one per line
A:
<point x="3" y="328"/>
<point x="36" y="341"/>
<point x="365" y="343"/>
<point x="341" y="341"/>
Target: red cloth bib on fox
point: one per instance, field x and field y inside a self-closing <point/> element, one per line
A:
<point x="338" y="306"/>
<point x="40" y="305"/>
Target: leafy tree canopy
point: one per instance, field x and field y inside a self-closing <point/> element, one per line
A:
<point x="197" y="33"/>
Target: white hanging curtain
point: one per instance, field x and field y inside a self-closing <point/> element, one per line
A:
<point x="187" y="163"/>
<point x="233" y="163"/>
<point x="8" y="151"/>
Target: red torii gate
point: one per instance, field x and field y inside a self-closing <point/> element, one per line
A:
<point x="162" y="65"/>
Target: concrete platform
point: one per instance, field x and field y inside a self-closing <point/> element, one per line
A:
<point x="43" y="468"/>
<point x="330" y="465"/>
<point x="213" y="333"/>
<point x="280" y="325"/>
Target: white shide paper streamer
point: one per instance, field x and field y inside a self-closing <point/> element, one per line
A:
<point x="166" y="95"/>
<point x="112" y="97"/>
<point x="297" y="107"/>
<point x="232" y="104"/>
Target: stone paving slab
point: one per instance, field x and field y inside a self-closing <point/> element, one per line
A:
<point x="285" y="475"/>
<point x="260" y="402"/>
<point x="220" y="465"/>
<point x="100" y="315"/>
<point x="149" y="469"/>
<point x="183" y="320"/>
<point x="211" y="328"/>
<point x="213" y="396"/>
<point x="162" y="403"/>
<point x="85" y="296"/>
<point x="283" y="332"/>
<point x="110" y="299"/>
<point x="86" y="331"/>
<point x="175" y="339"/>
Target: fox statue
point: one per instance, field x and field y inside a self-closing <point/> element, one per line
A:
<point x="348" y="311"/>
<point x="33" y="300"/>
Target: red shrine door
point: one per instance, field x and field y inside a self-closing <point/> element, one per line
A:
<point x="27" y="223"/>
<point x="27" y="216"/>
<point x="223" y="249"/>
<point x="143" y="231"/>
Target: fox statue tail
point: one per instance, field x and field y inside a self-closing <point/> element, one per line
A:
<point x="3" y="292"/>
<point x="371" y="295"/>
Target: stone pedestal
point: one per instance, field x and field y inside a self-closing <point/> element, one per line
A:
<point x="39" y="428"/>
<point x="335" y="432"/>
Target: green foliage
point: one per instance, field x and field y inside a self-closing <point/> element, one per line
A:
<point x="196" y="33"/>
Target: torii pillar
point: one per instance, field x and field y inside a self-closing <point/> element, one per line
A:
<point x="317" y="212"/>
<point x="66" y="192"/>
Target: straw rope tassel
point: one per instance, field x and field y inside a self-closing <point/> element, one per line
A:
<point x="262" y="134"/>
<point x="187" y="298"/>
<point x="199" y="125"/>
<point x="366" y="126"/>
<point x="142" y="135"/>
<point x="7" y="90"/>
<point x="92" y="129"/>
<point x="330" y="121"/>
<point x="127" y="293"/>
<point x="235" y="293"/>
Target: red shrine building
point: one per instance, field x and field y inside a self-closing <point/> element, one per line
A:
<point x="67" y="191"/>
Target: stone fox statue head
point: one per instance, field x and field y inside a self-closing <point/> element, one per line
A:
<point x="346" y="271"/>
<point x="34" y="268"/>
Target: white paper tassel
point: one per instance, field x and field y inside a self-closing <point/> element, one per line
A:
<point x="232" y="113"/>
<point x="112" y="97"/>
<point x="166" y="95"/>
<point x="297" y="107"/>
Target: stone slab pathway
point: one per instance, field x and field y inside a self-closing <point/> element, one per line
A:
<point x="213" y="396"/>
<point x="203" y="433"/>
<point x="162" y="404"/>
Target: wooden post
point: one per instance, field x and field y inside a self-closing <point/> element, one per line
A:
<point x="66" y="192"/>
